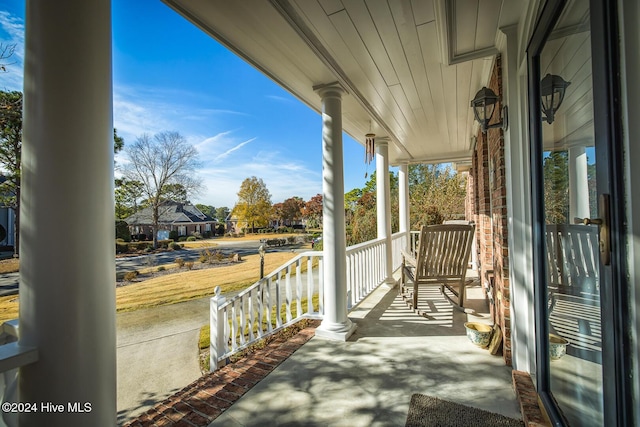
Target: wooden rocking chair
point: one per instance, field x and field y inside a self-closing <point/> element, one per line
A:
<point x="442" y="259"/>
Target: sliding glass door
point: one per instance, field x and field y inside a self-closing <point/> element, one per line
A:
<point x="573" y="140"/>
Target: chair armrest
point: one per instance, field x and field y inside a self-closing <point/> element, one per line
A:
<point x="408" y="258"/>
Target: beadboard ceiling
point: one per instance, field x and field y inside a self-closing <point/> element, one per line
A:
<point x="411" y="67"/>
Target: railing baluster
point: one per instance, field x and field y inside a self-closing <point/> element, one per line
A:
<point x="260" y="310"/>
<point x="251" y="315"/>
<point x="234" y="325"/>
<point x="350" y="290"/>
<point x="299" y="308"/>
<point x="269" y="306"/>
<point x="310" y="284"/>
<point x="243" y="320"/>
<point x="278" y="296"/>
<point x="321" y="285"/>
<point x="289" y="296"/>
<point x="360" y="259"/>
<point x="368" y="269"/>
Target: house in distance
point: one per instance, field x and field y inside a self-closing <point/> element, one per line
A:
<point x="183" y="218"/>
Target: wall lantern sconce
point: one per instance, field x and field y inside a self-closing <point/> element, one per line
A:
<point x="484" y="105"/>
<point x="552" y="89"/>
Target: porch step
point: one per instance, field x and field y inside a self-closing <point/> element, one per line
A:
<point x="202" y="401"/>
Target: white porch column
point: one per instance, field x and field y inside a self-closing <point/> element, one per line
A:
<point x="67" y="260"/>
<point x="403" y="202"/>
<point x="519" y="199"/>
<point x="383" y="204"/>
<point x="335" y="324"/>
<point x="578" y="184"/>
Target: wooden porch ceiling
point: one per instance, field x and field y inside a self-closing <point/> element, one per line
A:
<point x="411" y="67"/>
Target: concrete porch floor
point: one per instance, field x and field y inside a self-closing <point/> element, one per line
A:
<point x="369" y="380"/>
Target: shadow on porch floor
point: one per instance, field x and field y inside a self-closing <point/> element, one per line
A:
<point x="369" y="380"/>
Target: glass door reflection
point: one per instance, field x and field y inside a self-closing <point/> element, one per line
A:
<point x="574" y="311"/>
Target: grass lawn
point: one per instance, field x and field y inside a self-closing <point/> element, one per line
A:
<point x="181" y="286"/>
<point x="187" y="285"/>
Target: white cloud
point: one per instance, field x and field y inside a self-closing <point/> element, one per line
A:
<point x="284" y="177"/>
<point x="224" y="183"/>
<point x="232" y="149"/>
<point x="13" y="28"/>
<point x="281" y="99"/>
<point x="227" y="158"/>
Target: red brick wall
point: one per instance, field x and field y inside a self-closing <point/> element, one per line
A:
<point x="487" y="195"/>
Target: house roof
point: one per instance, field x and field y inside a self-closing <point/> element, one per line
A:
<point x="170" y="213"/>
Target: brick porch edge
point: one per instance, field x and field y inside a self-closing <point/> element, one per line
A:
<point x="532" y="415"/>
<point x="205" y="399"/>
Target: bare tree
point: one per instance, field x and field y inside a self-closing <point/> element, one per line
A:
<point x="6" y="51"/>
<point x="159" y="162"/>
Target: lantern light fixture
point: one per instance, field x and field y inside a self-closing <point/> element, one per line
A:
<point x="552" y="91"/>
<point x="484" y="104"/>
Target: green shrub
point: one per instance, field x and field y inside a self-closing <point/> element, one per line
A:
<point x="122" y="248"/>
<point x="173" y="235"/>
<point x="164" y="244"/>
<point x="176" y="246"/>
<point x="162" y="268"/>
<point x="122" y="231"/>
<point x="206" y="255"/>
<point x="141" y="246"/>
<point x="191" y="239"/>
<point x="182" y="239"/>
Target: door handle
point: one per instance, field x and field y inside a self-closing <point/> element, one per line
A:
<point x="587" y="221"/>
<point x="605" y="231"/>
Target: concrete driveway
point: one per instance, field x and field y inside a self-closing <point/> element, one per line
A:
<point x="157" y="353"/>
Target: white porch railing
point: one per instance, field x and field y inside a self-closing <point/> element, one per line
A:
<point x="278" y="300"/>
<point x="12" y="357"/>
<point x="272" y="303"/>
<point x="398" y="243"/>
<point x="415" y="236"/>
<point x="365" y="269"/>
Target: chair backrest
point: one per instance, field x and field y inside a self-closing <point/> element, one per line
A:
<point x="572" y="256"/>
<point x="443" y="251"/>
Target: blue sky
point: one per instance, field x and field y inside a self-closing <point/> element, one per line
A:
<point x="169" y="75"/>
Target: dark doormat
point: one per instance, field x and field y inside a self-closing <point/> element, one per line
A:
<point x="428" y="411"/>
